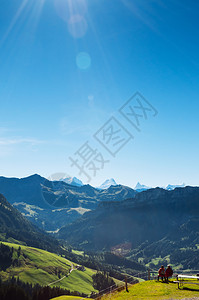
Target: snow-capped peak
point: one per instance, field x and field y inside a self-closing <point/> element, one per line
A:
<point x="72" y="180"/>
<point x="171" y="187"/>
<point x="141" y="187"/>
<point x="107" y="183"/>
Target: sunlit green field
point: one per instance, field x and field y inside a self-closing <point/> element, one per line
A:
<point x="77" y="252"/>
<point x="42" y="267"/>
<point x="155" y="290"/>
<point x="78" y="281"/>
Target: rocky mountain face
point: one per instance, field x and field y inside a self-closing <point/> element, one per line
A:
<point x="53" y="204"/>
<point x="153" y="217"/>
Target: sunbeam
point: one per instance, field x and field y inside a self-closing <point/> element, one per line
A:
<point x="143" y="12"/>
<point x="15" y="19"/>
<point x="35" y="7"/>
<point x="36" y="13"/>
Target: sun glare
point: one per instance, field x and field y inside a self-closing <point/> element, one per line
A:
<point x="30" y="10"/>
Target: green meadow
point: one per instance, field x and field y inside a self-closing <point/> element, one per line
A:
<point x="155" y="290"/>
<point x="42" y="267"/>
<point x="78" y="281"/>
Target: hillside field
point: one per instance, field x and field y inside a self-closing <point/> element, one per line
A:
<point x="39" y="266"/>
<point x="155" y="290"/>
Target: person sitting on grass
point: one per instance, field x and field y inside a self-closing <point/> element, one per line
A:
<point x="168" y="272"/>
<point x="161" y="273"/>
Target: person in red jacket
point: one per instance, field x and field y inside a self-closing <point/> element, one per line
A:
<point x="168" y="273"/>
<point x="161" y="273"/>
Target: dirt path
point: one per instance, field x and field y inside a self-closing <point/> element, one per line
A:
<point x="56" y="281"/>
<point x="72" y="269"/>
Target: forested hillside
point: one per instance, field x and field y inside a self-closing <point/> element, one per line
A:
<point x="15" y="227"/>
<point x="154" y="223"/>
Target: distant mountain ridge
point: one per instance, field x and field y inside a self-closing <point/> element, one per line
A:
<point x="53" y="204"/>
<point x="171" y="187"/>
<point x="141" y="187"/>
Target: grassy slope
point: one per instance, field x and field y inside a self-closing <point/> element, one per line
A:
<point x="39" y="266"/>
<point x="155" y="290"/>
<point x="78" y="281"/>
<point x="77" y="252"/>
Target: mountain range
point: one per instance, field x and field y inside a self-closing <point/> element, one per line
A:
<point x="111" y="182"/>
<point x="141" y="224"/>
<point x="52" y="204"/>
<point x="170" y="187"/>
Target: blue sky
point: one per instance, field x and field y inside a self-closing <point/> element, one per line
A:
<point x="67" y="66"/>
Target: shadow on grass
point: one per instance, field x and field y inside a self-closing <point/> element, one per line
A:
<point x="190" y="289"/>
<point x="163" y="281"/>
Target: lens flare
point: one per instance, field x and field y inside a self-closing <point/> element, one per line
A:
<point x="83" y="61"/>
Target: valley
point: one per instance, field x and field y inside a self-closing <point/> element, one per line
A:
<point x="116" y="231"/>
<point x="52" y="204"/>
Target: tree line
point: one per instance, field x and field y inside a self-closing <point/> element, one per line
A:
<point x="18" y="290"/>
